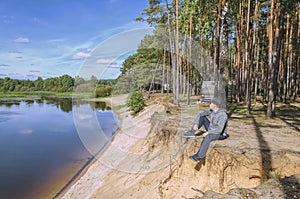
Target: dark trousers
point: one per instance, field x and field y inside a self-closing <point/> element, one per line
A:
<point x="203" y="121"/>
<point x="207" y="140"/>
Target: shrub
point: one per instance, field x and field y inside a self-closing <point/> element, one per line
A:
<point x="136" y="101"/>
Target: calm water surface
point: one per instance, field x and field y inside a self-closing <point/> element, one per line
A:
<point x="40" y="150"/>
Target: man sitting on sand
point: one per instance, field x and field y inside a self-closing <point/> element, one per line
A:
<point x="215" y="127"/>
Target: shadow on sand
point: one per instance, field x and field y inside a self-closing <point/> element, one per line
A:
<point x="265" y="152"/>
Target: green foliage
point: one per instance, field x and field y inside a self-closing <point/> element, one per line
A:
<point x="274" y="175"/>
<point x="103" y="90"/>
<point x="136" y="101"/>
<point x="143" y="67"/>
<point x="62" y="84"/>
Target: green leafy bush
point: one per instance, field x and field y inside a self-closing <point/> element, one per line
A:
<point x="136" y="101"/>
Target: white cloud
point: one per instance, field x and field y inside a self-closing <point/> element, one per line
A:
<point x="15" y="52"/>
<point x="81" y="55"/>
<point x="7" y="19"/>
<point x="22" y="40"/>
<point x="58" y="40"/>
<point x="103" y="61"/>
<point x="34" y="71"/>
<point x="3" y="65"/>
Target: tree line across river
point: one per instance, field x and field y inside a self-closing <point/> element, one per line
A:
<point x="62" y="84"/>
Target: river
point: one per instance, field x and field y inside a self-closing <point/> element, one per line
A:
<point x="40" y="148"/>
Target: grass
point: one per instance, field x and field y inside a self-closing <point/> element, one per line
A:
<point x="274" y="175"/>
<point x="287" y="110"/>
<point x="119" y="107"/>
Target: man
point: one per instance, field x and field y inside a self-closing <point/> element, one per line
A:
<point x="215" y="127"/>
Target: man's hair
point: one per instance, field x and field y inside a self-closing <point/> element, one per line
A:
<point x="216" y="101"/>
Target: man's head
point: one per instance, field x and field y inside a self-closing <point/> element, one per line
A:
<point x="215" y="103"/>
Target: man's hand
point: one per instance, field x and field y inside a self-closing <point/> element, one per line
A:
<point x="205" y="134"/>
<point x="195" y="127"/>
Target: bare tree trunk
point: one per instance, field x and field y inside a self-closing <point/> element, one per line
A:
<point x="217" y="50"/>
<point x="286" y="68"/>
<point x="224" y="55"/>
<point x="163" y="70"/>
<point x="176" y="65"/>
<point x="173" y="59"/>
<point x="275" y="39"/>
<point x="257" y="73"/>
<point x="247" y="61"/>
<point x="292" y="58"/>
<point x="238" y="55"/>
<point x="190" y="62"/>
<point x="297" y="56"/>
<point x="271" y="92"/>
<point x="254" y="38"/>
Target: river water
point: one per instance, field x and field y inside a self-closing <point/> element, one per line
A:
<point x="40" y="149"/>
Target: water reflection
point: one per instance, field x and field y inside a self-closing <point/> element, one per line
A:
<point x="64" y="104"/>
<point x="39" y="143"/>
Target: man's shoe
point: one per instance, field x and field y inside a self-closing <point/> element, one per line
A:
<point x="223" y="137"/>
<point x="199" y="133"/>
<point x="189" y="134"/>
<point x="193" y="157"/>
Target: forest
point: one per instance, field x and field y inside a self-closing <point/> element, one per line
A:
<point x="248" y="47"/>
<point x="62" y="84"/>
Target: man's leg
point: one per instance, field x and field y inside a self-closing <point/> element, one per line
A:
<point x="203" y="121"/>
<point x="204" y="145"/>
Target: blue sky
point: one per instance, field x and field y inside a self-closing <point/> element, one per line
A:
<point x="49" y="38"/>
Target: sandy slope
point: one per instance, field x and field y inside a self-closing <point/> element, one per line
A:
<point x="132" y="129"/>
<point x="148" y="158"/>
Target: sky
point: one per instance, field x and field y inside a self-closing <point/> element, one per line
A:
<point x="50" y="38"/>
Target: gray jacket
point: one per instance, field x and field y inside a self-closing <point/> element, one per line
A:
<point x="218" y="121"/>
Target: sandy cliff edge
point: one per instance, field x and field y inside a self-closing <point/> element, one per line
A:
<point x="131" y="129"/>
<point x="133" y="166"/>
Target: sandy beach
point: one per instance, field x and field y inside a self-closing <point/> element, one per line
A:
<point x="131" y="129"/>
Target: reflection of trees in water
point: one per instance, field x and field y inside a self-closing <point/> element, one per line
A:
<point x="64" y="104"/>
<point x="29" y="101"/>
<point x="94" y="105"/>
<point x="9" y="104"/>
<point x="102" y="106"/>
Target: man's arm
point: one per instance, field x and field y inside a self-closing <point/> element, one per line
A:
<point x="221" y="122"/>
<point x="201" y="114"/>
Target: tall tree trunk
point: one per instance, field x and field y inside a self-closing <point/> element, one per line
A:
<point x="257" y="73"/>
<point x="217" y="50"/>
<point x="293" y="58"/>
<point x="275" y="39"/>
<point x="247" y="60"/>
<point x="173" y="58"/>
<point x="285" y="69"/>
<point x="271" y="67"/>
<point x="253" y="54"/>
<point x="190" y="62"/>
<point x="224" y="55"/>
<point x="176" y="96"/>
<point x="297" y="55"/>
<point x="163" y="82"/>
<point x="238" y="55"/>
